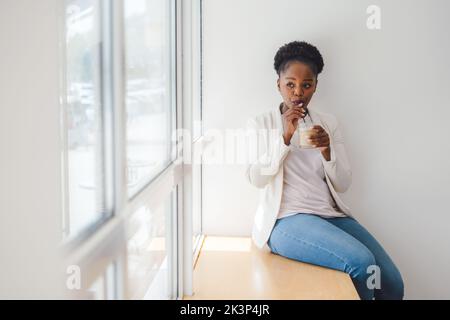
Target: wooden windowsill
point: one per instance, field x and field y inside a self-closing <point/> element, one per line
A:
<point x="233" y="268"/>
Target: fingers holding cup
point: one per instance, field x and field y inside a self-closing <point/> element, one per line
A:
<point x="319" y="137"/>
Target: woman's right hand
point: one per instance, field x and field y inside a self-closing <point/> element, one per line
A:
<point x="290" y="121"/>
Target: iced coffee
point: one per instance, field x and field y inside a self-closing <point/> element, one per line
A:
<point x="305" y="131"/>
<point x="305" y="134"/>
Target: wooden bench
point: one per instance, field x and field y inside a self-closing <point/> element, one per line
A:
<point x="233" y="268"/>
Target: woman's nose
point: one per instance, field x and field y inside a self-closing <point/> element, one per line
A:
<point x="298" y="91"/>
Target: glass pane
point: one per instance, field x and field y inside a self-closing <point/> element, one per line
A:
<point x="196" y="203"/>
<point x="84" y="162"/>
<point x="197" y="47"/>
<point x="97" y="289"/>
<point x="104" y="287"/>
<point x="150" y="250"/>
<point x="149" y="89"/>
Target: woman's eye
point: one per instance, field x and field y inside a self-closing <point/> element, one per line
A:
<point x="307" y="85"/>
<point x="290" y="85"/>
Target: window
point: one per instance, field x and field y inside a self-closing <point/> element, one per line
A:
<point x="150" y="89"/>
<point x="104" y="287"/>
<point x="151" y="248"/>
<point x="121" y="56"/>
<point x="86" y="197"/>
<point x="197" y="75"/>
<point x="196" y="204"/>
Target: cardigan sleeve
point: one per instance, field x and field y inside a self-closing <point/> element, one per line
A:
<point x="338" y="168"/>
<point x="267" y="153"/>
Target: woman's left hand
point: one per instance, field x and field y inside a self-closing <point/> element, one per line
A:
<point x="321" y="140"/>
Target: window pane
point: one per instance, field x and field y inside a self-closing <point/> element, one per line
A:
<point x="197" y="47"/>
<point x="150" y="249"/>
<point x="149" y="89"/>
<point x="104" y="287"/>
<point x="196" y="202"/>
<point x="84" y="158"/>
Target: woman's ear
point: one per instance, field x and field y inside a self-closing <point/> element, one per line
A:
<point x="278" y="84"/>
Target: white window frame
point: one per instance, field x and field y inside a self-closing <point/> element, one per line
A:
<point x="189" y="79"/>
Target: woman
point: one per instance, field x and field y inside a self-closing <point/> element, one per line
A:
<point x="300" y="214"/>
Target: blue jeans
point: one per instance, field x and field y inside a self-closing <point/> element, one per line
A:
<point x="340" y="244"/>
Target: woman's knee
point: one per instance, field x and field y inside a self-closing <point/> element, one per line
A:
<point x="385" y="280"/>
<point x="360" y="263"/>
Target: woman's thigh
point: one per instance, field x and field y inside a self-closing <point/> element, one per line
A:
<point x="312" y="239"/>
<point x="391" y="281"/>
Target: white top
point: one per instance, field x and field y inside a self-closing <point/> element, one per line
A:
<point x="304" y="187"/>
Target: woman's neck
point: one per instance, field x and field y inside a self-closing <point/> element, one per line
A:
<point x="283" y="108"/>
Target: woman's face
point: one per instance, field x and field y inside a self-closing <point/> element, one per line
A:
<point x="297" y="84"/>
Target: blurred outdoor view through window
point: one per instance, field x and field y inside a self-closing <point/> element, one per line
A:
<point x="84" y="158"/>
<point x="149" y="85"/>
<point x="149" y="80"/>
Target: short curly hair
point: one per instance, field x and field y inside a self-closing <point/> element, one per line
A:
<point x="298" y="51"/>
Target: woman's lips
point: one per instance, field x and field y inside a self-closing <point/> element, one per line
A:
<point x="298" y="103"/>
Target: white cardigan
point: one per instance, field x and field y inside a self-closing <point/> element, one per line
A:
<point x="266" y="172"/>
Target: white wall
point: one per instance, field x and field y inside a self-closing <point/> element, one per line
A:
<point x="30" y="181"/>
<point x="388" y="88"/>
